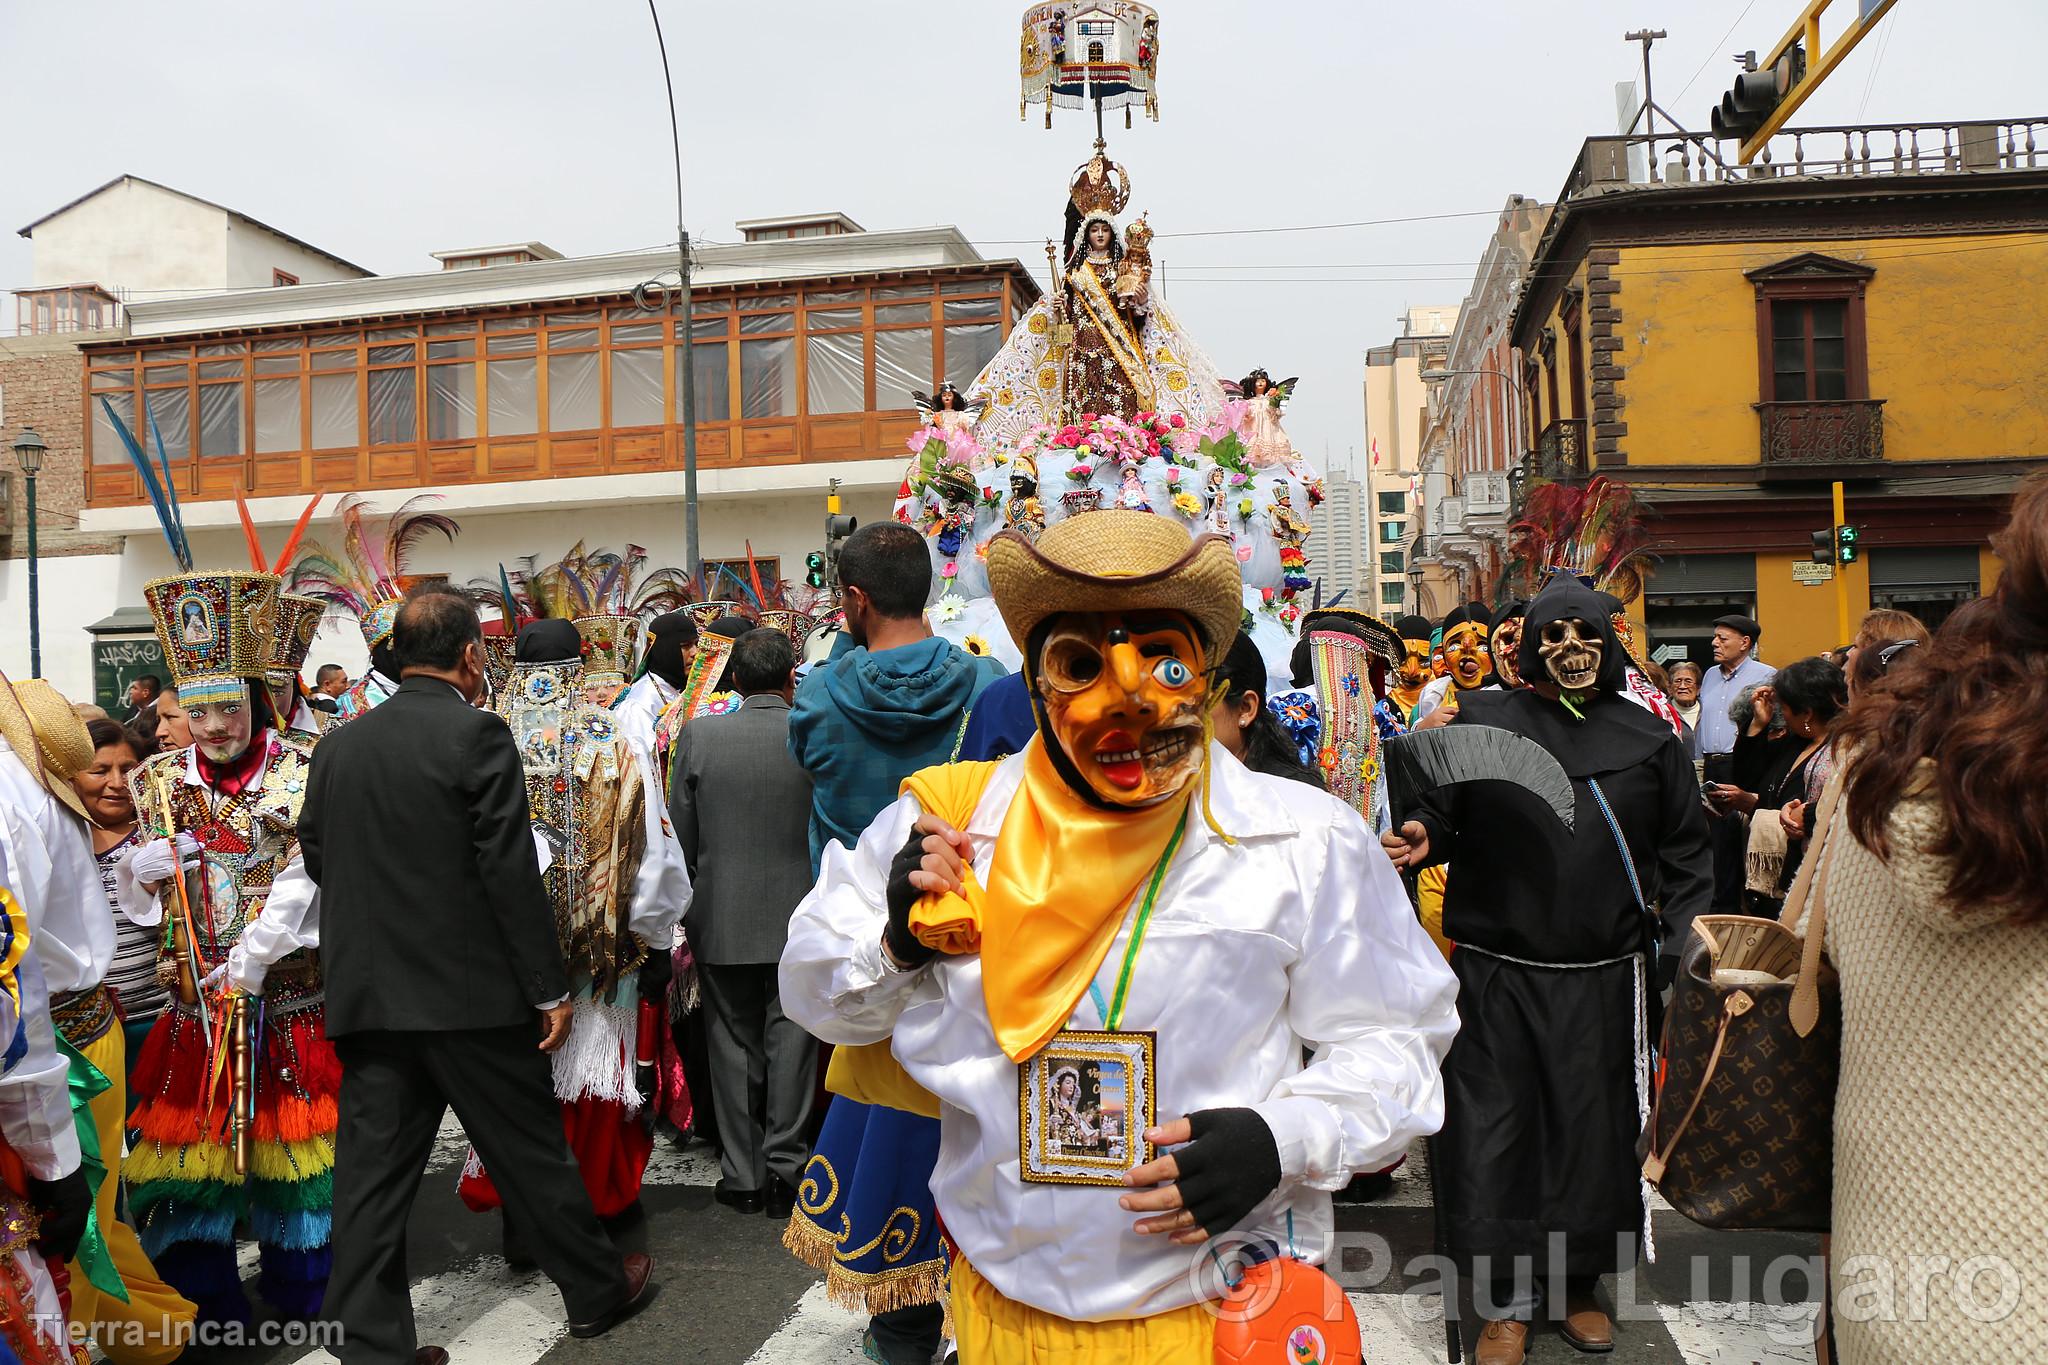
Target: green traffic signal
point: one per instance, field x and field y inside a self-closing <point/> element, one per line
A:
<point x="1845" y="544"/>
<point x="814" y="563"/>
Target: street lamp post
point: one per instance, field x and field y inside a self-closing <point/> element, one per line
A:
<point x="29" y="450"/>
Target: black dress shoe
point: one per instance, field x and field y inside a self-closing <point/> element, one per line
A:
<point x="430" y="1355"/>
<point x="640" y="1287"/>
<point x="746" y="1201"/>
<point x="781" y="1199"/>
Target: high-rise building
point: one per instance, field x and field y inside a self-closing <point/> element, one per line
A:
<point x="1395" y="403"/>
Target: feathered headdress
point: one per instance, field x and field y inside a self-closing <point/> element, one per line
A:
<point x="369" y="577"/>
<point x="586" y="583"/>
<point x="1592" y="531"/>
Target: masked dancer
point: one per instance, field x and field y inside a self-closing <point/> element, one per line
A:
<point x="1103" y="956"/>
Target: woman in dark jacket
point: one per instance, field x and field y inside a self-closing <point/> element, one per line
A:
<point x="1787" y="770"/>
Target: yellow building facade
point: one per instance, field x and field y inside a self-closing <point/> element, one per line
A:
<point x="1730" y="342"/>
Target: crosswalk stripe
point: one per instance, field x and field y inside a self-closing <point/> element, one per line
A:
<point x="1741" y="1333"/>
<point x="818" y="1332"/>
<point x="483" y="1314"/>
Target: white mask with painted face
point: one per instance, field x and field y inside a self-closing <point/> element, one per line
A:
<point x="221" y="729"/>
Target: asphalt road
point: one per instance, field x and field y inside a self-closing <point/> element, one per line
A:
<point x="730" y="1295"/>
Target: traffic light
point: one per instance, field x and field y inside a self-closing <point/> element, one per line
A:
<point x="1756" y="93"/>
<point x="814" y="568"/>
<point x="1824" y="547"/>
<point x="1845" y="544"/>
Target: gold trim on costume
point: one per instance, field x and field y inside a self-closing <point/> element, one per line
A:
<point x="1123" y="347"/>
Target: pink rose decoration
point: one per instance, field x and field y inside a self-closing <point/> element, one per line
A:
<point x="1178" y="421"/>
<point x="1244" y="554"/>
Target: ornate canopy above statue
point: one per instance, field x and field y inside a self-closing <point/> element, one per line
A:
<point x="1082" y="53"/>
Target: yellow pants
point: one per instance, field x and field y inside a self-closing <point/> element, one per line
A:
<point x="154" y="1325"/>
<point x="994" y="1330"/>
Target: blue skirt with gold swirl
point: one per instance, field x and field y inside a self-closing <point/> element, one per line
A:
<point x="864" y="1212"/>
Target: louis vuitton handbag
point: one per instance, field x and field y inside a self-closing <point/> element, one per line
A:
<point x="1742" y="1132"/>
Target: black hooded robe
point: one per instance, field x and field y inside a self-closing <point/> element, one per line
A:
<point x="1541" y="1116"/>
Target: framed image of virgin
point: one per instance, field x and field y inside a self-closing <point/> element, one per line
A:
<point x="1084" y="1103"/>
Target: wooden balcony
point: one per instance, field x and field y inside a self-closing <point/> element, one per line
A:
<point x="818" y="373"/>
<point x="1816" y="440"/>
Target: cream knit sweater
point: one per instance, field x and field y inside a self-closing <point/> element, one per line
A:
<point x="1941" y="1124"/>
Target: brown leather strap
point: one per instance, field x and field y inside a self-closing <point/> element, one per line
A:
<point x="1810" y="886"/>
<point x="1733" y="1006"/>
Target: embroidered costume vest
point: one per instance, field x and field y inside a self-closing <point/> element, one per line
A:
<point x="586" y="796"/>
<point x="246" y="840"/>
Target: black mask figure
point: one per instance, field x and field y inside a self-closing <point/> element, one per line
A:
<point x="551" y="641"/>
<point x="671" y="635"/>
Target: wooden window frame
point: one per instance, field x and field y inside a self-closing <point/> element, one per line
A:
<point x="1811" y="277"/>
<point x="281" y="278"/>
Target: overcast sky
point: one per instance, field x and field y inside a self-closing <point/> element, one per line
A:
<point x="385" y="129"/>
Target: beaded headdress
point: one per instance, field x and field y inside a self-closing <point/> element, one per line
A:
<point x="216" y="629"/>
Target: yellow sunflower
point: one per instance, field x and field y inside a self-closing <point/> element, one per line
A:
<point x="976" y="646"/>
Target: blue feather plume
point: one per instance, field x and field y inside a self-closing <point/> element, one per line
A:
<point x="170" y="485"/>
<point x="167" y="519"/>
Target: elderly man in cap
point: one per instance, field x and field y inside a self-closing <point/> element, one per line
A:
<point x="1103" y="956"/>
<point x="1736" y="667"/>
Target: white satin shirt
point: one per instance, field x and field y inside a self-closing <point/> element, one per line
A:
<point x="1298" y="935"/>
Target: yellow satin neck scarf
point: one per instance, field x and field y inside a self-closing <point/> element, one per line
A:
<point x="1064" y="873"/>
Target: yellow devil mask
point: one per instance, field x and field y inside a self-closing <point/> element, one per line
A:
<point x="1124" y="694"/>
<point x="1466" y="660"/>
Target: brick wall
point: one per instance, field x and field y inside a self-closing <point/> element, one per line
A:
<point x="42" y="379"/>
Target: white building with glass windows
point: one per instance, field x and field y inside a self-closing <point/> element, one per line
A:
<point x="537" y="397"/>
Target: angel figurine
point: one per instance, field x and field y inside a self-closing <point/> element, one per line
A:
<point x="947" y="409"/>
<point x="1267" y="445"/>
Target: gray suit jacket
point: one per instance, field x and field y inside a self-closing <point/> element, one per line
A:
<point x="742" y="810"/>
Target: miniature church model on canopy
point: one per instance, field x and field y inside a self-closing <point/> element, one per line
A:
<point x="1099" y="398"/>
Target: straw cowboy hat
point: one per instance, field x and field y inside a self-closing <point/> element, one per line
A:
<point x="47" y="735"/>
<point x="1116" y="560"/>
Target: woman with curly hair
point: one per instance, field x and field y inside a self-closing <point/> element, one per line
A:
<point x="1935" y="881"/>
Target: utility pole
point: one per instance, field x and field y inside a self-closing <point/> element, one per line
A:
<point x="1841" y="574"/>
<point x="685" y="340"/>
<point x="1648" y="38"/>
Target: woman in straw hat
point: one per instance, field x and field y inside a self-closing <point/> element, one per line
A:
<point x="1125" y="904"/>
<point x="116" y="1294"/>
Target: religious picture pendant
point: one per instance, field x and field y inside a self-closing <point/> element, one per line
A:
<point x="1084" y="1104"/>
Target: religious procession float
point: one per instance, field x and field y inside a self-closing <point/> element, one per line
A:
<point x="1099" y="398"/>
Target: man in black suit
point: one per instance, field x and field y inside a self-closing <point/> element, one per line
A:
<point x="438" y="948"/>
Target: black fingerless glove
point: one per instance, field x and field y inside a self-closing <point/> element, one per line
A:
<point x="64" y="1204"/>
<point x="903" y="944"/>
<point x="1229" y="1168"/>
<point x="657" y="971"/>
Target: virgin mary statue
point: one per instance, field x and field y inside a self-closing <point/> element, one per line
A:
<point x="1103" y="341"/>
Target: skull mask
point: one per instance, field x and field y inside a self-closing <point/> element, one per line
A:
<point x="1571" y="650"/>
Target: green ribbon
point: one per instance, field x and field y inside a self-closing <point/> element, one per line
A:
<point x="88" y="1082"/>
